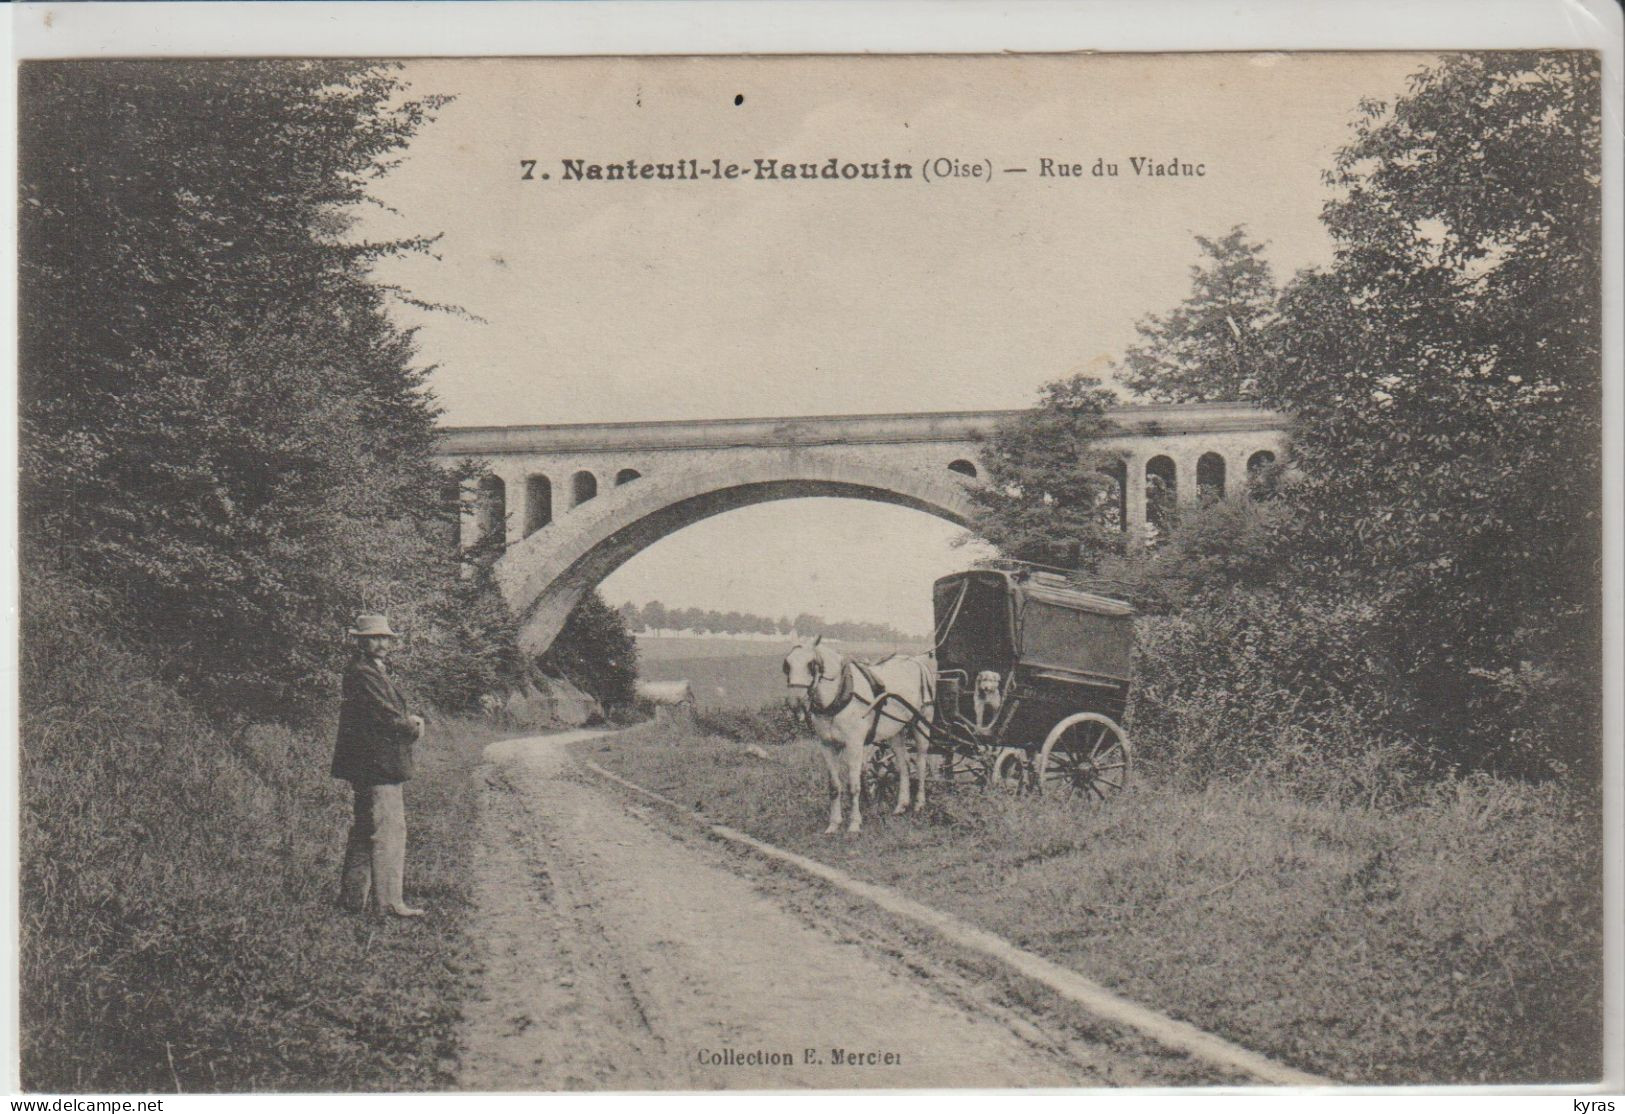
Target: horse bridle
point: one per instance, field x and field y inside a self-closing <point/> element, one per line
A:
<point x="815" y="705"/>
<point x="815" y="669"/>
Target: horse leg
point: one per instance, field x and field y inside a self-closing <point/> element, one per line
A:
<point x="899" y="757"/>
<point x="922" y="748"/>
<point x="918" y="728"/>
<point x="854" y="777"/>
<point x="833" y="764"/>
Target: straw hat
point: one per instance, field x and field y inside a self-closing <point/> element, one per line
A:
<point x="371" y="626"/>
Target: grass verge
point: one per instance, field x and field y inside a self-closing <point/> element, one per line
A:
<point x="178" y="927"/>
<point x="1453" y="939"/>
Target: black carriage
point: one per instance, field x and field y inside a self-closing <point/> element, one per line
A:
<point x="1032" y="684"/>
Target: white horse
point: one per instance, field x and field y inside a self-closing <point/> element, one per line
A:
<point x="846" y="704"/>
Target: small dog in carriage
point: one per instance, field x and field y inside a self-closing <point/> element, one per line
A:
<point x="988" y="699"/>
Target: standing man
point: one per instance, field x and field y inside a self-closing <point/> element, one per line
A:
<point x="374" y="754"/>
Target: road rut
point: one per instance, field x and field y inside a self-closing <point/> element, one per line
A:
<point x="617" y="956"/>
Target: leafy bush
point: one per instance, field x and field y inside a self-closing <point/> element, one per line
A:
<point x="460" y="642"/>
<point x="596" y="653"/>
<point x="776" y="724"/>
<point x="1271" y="682"/>
<point x="1209" y="550"/>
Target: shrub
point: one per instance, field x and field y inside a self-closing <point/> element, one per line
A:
<point x="773" y="724"/>
<point x="1268" y="683"/>
<point x="596" y="653"/>
<point x="461" y="642"/>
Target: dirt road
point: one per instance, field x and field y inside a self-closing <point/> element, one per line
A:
<point x="620" y="956"/>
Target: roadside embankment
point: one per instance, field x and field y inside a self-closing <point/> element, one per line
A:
<point x="178" y="927"/>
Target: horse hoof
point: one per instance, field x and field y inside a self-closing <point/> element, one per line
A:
<point x="832" y="829"/>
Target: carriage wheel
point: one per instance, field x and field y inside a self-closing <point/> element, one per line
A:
<point x="1011" y="772"/>
<point x="880" y="775"/>
<point x="1087" y="756"/>
<point x="965" y="768"/>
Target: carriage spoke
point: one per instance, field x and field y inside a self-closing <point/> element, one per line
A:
<point x="1088" y="759"/>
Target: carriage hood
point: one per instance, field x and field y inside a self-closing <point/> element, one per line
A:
<point x="993" y="619"/>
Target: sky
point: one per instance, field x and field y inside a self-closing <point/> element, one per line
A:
<point x="649" y="300"/>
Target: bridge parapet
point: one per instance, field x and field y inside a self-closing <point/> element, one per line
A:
<point x="829" y="429"/>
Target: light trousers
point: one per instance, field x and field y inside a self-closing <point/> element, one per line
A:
<point x="375" y="853"/>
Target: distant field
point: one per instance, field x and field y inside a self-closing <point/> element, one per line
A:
<point x="730" y="673"/>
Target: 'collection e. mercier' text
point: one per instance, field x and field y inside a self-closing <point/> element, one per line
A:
<point x="839" y="170"/>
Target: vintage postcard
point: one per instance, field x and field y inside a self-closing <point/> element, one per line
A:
<point x="815" y="572"/>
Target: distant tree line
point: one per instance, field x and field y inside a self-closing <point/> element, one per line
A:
<point x="655" y="615"/>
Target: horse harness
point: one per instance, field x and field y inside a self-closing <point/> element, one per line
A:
<point x="846" y="692"/>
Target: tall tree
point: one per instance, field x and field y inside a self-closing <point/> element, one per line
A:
<point x="1445" y="375"/>
<point x="1049" y="495"/>
<point x="221" y="426"/>
<point x="654" y="615"/>
<point x="1206" y="348"/>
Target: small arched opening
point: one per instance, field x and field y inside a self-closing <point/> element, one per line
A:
<point x="583" y="487"/>
<point x="1210" y="477"/>
<point x="626" y="476"/>
<point x="491" y="512"/>
<point x="1161" y="492"/>
<point x="963" y="467"/>
<point x="538" y="503"/>
<point x="1258" y="462"/>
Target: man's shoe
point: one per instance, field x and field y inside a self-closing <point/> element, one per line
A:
<point x="405" y="911"/>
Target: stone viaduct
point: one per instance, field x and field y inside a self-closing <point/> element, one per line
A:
<point x="574" y="502"/>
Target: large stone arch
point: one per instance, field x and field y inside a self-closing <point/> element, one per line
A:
<point x="545" y="575"/>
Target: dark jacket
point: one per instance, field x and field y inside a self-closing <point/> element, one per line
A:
<point x="375" y="735"/>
